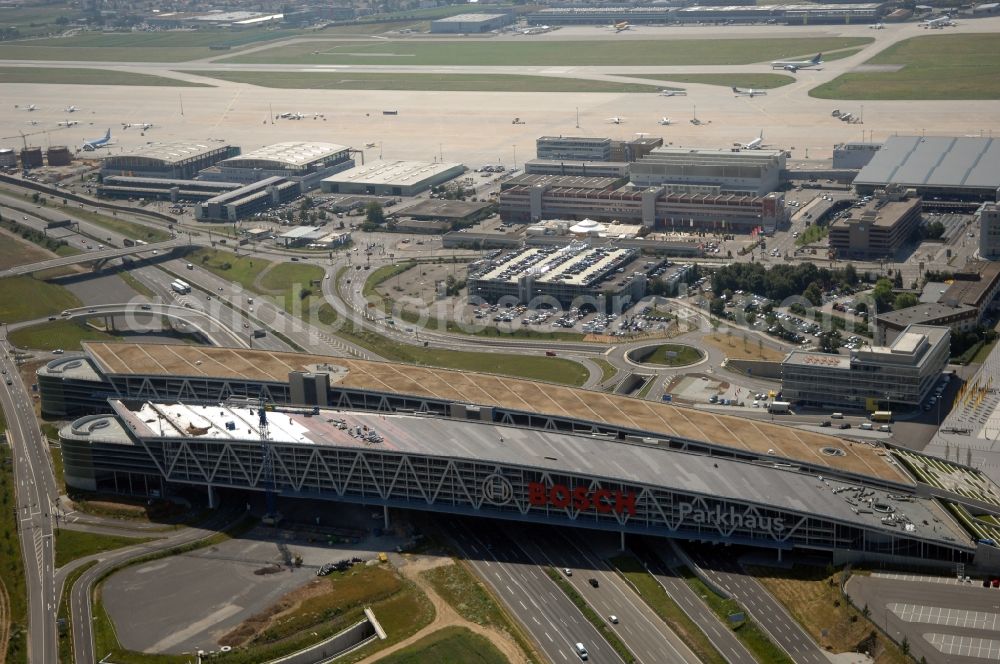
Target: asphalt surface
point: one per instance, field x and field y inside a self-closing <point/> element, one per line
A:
<point x="719" y="565"/>
<point x="80" y="609"/>
<point x="645" y="635"/>
<point x="36" y="494"/>
<point x="720" y="635"/>
<point x="532" y="597"/>
<point x="878" y="593"/>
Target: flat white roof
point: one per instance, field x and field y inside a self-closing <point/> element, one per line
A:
<point x="404" y="173"/>
<point x="293" y="153"/>
<point x="469" y="18"/>
<point x="299" y="231"/>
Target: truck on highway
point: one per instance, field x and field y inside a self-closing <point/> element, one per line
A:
<point x="881" y="416"/>
<point x="778" y="407"/>
<point x="181" y="287"/>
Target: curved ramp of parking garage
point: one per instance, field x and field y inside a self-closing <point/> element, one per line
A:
<point x="741" y="435"/>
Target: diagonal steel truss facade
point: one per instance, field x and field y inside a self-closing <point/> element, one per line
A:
<point x="375" y="476"/>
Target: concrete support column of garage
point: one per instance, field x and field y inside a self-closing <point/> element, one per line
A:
<point x="211" y="497"/>
<point x="385" y="516"/>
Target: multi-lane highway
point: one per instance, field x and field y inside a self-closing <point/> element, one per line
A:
<point x="647" y="637"/>
<point x="36" y="494"/>
<point x="553" y="621"/>
<point x="725" y="572"/>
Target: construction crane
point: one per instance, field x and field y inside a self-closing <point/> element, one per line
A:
<point x="271" y="516"/>
<point x="24" y="137"/>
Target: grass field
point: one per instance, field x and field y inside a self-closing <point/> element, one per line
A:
<point x="408" y="81"/>
<point x="73" y="544"/>
<point x="165" y="46"/>
<point x="607" y="369"/>
<point x="668" y="610"/>
<point x="14" y="251"/>
<point x="451" y="645"/>
<point x="457" y="586"/>
<point x="934" y="67"/>
<point x="399" y="605"/>
<point x="63" y="334"/>
<point x="683" y="355"/>
<point x="26" y="298"/>
<point x="550" y="369"/>
<point x="69" y="76"/>
<point x="11" y="563"/>
<point x="812" y="595"/>
<point x="568" y="53"/>
<point x="37" y="19"/>
<point x="241" y="269"/>
<point x="757" y="81"/>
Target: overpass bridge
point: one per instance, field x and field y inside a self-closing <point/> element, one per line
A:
<point x="213" y="329"/>
<point x="93" y="257"/>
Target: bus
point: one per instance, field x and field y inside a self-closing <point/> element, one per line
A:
<point x="882" y="416"/>
<point x="181" y="287"/>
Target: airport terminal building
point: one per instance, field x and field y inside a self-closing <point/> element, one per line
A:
<point x="152" y="417"/>
<point x="175" y="161"/>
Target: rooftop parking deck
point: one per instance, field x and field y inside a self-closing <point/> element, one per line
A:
<point x="516" y="394"/>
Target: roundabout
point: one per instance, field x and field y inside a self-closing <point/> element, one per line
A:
<point x="666" y="355"/>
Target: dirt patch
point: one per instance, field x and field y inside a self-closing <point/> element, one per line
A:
<point x="259" y="622"/>
<point x="750" y="348"/>
<point x="445" y="615"/>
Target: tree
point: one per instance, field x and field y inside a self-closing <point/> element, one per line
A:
<point x="934" y="230"/>
<point x="850" y="274"/>
<point x="374" y="213"/>
<point x="897" y="281"/>
<point x="814" y="294"/>
<point x="905" y="301"/>
<point x="882" y="293"/>
<point x="717" y="306"/>
<point x="904" y="646"/>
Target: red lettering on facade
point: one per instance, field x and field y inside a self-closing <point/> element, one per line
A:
<point x="559" y="495"/>
<point x="581" y="498"/>
<point x="625" y="502"/>
<point x="537" y="494"/>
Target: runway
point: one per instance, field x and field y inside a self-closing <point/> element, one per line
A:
<point x="476" y="127"/>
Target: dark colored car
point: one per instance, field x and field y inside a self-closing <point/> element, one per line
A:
<point x="592" y="581"/>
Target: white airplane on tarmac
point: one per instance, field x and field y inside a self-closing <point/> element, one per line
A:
<point x="756" y="143"/>
<point x="939" y="22"/>
<point x="28" y="107"/>
<point x="143" y="126"/>
<point x="665" y="121"/>
<point x="71" y="109"/>
<point x="795" y="65"/>
<point x="68" y="123"/>
<point x="95" y="143"/>
<point x="748" y="92"/>
<point x="667" y="92"/>
<point x="616" y="120"/>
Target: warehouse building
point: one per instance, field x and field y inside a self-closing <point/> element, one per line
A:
<point x="608" y="279"/>
<point x="392" y="178"/>
<point x="752" y="172"/>
<point x="470" y="23"/>
<point x="975" y="285"/>
<point x="162" y="189"/>
<point x="635" y="149"/>
<point x="654" y="207"/>
<point x="247" y="200"/>
<point x="946" y="167"/>
<point x="175" y="161"/>
<point x="878" y="228"/>
<point x="306" y="163"/>
<point x="870" y="378"/>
